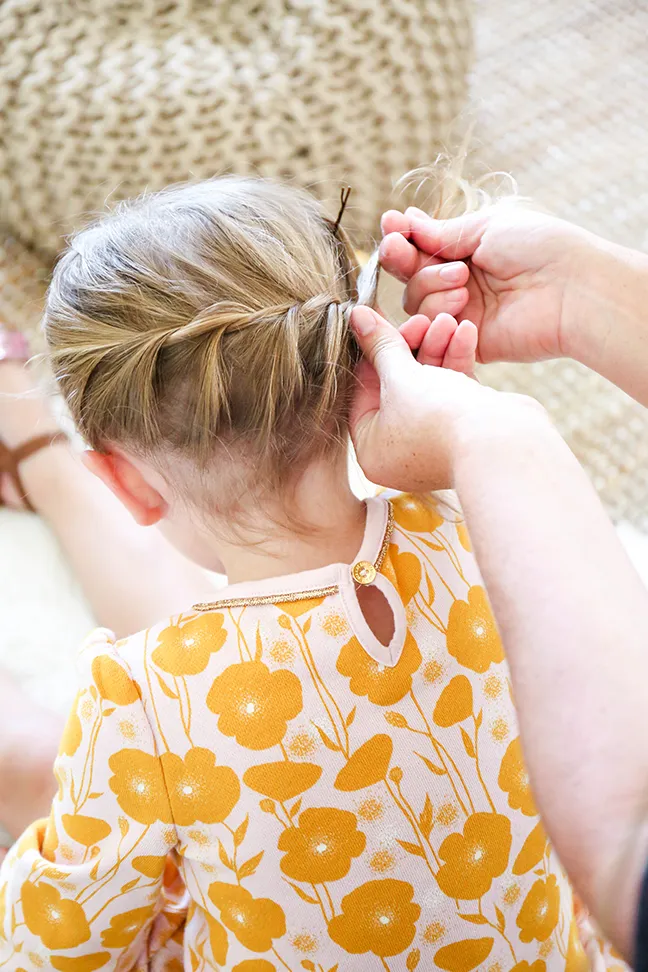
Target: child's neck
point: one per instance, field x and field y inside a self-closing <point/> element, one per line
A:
<point x="323" y="499"/>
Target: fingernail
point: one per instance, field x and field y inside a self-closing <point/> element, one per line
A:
<point x="363" y="320"/>
<point x="453" y="272"/>
<point x="415" y="211"/>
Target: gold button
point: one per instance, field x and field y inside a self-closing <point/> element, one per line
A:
<point x="364" y="572"/>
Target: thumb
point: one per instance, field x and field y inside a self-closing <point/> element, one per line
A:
<point x="451" y="239"/>
<point x="380" y="342"/>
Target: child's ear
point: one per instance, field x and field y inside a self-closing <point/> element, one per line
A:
<point x="143" y="501"/>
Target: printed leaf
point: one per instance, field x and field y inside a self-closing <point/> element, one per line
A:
<point x="431" y="595"/>
<point x="124" y="826"/>
<point x="501" y="920"/>
<point x="478" y="720"/>
<point x="94" y="796"/>
<point x="468" y="745"/>
<point x="427" y="817"/>
<point x="94" y="872"/>
<point x="222" y="853"/>
<point x="432" y="546"/>
<point x="307" y="964"/>
<point x="295" y="808"/>
<point x="438" y="770"/>
<point x="328" y="742"/>
<point x="411" y="848"/>
<point x="474" y="919"/>
<point x="539" y="871"/>
<point x="129" y="885"/>
<point x="93" y="693"/>
<point x="165" y="688"/>
<point x="351" y="716"/>
<point x="413" y="959"/>
<point x="72" y="791"/>
<point x="307" y="625"/>
<point x="259" y="644"/>
<point x="55" y="874"/>
<point x="302" y="894"/>
<point x="240" y="832"/>
<point x="532" y="851"/>
<point x="334" y="968"/>
<point x="108" y="712"/>
<point x="248" y="869"/>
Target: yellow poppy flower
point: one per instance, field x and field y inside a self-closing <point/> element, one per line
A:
<point x="455" y="702"/>
<point x="254" y="704"/>
<point x="416" y="514"/>
<point x="464" y="956"/>
<point x="85" y="830"/>
<point x="475" y="858"/>
<point x="382" y="684"/>
<point x="199" y="789"/>
<point x="539" y="912"/>
<point x="472" y="636"/>
<point x="58" y="922"/>
<point x="403" y="571"/>
<point x="150" y="866"/>
<point x="113" y="682"/>
<point x="124" y="928"/>
<point x="514" y="779"/>
<point x="186" y="649"/>
<point x="138" y="784"/>
<point x="320" y="848"/>
<point x="282" y="780"/>
<point x="254" y="921"/>
<point x="84" y="963"/>
<point x="368" y="765"/>
<point x="378" y="917"/>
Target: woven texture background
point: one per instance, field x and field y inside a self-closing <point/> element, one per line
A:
<point x="560" y="92"/>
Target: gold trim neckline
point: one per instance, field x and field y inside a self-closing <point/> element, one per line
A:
<point x="292" y="596"/>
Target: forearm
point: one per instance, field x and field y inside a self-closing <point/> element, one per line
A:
<point x="606" y="314"/>
<point x="573" y="616"/>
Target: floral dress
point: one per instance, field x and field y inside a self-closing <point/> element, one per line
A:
<point x="260" y="785"/>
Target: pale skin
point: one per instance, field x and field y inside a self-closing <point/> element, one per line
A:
<point x="420" y="427"/>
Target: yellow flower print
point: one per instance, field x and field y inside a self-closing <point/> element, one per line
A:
<point x="371" y="809"/>
<point x="532" y="851"/>
<point x="138" y="784"/>
<point x="472" y="636"/>
<point x="217" y="939"/>
<point x="492" y="687"/>
<point x="514" y="780"/>
<point x="464" y="956"/>
<point x="447" y="814"/>
<point x="58" y="922"/>
<point x="432" y="671"/>
<point x="416" y="514"/>
<point x="305" y="942"/>
<point x="198" y="789"/>
<point x="382" y="684"/>
<point x="281" y="652"/>
<point x="403" y="571"/>
<point x="499" y="729"/>
<point x="127" y="729"/>
<point x="321" y="847"/>
<point x="539" y="912"/>
<point x="124" y="928"/>
<point x="282" y="780"/>
<point x="84" y="963"/>
<point x="511" y="894"/>
<point x="475" y="858"/>
<point x="537" y="966"/>
<point x="368" y="765"/>
<point x="455" y="702"/>
<point x="547" y="948"/>
<point x="186" y="649"/>
<point x="254" y="965"/>
<point x="254" y="921"/>
<point x="150" y="866"/>
<point x="72" y="734"/>
<point x="85" y="830"/>
<point x="296" y="608"/>
<point x="334" y="625"/>
<point x="302" y="744"/>
<point x="113" y="683"/>
<point x="433" y="933"/>
<point x="382" y="861"/>
<point x="378" y="917"/>
<point x="254" y="704"/>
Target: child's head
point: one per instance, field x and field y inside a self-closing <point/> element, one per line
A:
<point x="204" y="330"/>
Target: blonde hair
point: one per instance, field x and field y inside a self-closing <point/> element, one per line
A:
<point x="212" y="314"/>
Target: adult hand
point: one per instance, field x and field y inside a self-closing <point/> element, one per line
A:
<point x="411" y="416"/>
<point x="518" y="283"/>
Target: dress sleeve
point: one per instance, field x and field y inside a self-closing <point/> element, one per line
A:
<point x="91" y="885"/>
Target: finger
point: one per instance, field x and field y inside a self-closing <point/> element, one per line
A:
<point x="402" y="259"/>
<point x="460" y="355"/>
<point x="447" y="302"/>
<point x="436" y="341"/>
<point x="414" y="330"/>
<point x="393" y="221"/>
<point x="381" y="343"/>
<point x="451" y="239"/>
<point x="443" y="277"/>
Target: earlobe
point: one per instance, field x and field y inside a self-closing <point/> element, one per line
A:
<point x="124" y="479"/>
